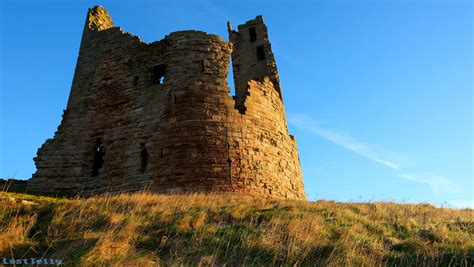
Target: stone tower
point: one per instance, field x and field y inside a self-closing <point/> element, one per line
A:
<point x="159" y="117"/>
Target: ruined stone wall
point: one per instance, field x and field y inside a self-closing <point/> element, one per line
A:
<point x="159" y="116"/>
<point x="252" y="58"/>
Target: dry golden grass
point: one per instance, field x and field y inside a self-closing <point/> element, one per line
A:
<point x="145" y="229"/>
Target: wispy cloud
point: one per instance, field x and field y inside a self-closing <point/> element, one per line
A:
<point x="343" y="140"/>
<point x="438" y="184"/>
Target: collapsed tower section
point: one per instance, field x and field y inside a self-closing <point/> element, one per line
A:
<point x="159" y="117"/>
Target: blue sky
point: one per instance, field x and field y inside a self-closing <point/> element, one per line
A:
<point x="377" y="93"/>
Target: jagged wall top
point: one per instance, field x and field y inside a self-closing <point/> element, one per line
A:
<point x="98" y="19"/>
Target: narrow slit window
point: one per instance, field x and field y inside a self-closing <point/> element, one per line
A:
<point x="253" y="34"/>
<point x="161" y="152"/>
<point x="143" y="158"/>
<point x="229" y="163"/>
<point x="99" y="153"/>
<point x="260" y="53"/>
<point x="159" y="72"/>
<point x="135" y="80"/>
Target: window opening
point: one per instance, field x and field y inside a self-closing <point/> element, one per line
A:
<point x="99" y="152"/>
<point x="143" y="158"/>
<point x="159" y="72"/>
<point x="260" y="53"/>
<point x="253" y="34"/>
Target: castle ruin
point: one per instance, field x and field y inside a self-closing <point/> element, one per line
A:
<point x="159" y="117"/>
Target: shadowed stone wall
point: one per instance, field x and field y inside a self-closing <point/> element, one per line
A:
<point x="159" y="116"/>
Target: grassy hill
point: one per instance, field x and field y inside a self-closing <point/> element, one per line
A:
<point x="144" y="229"/>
